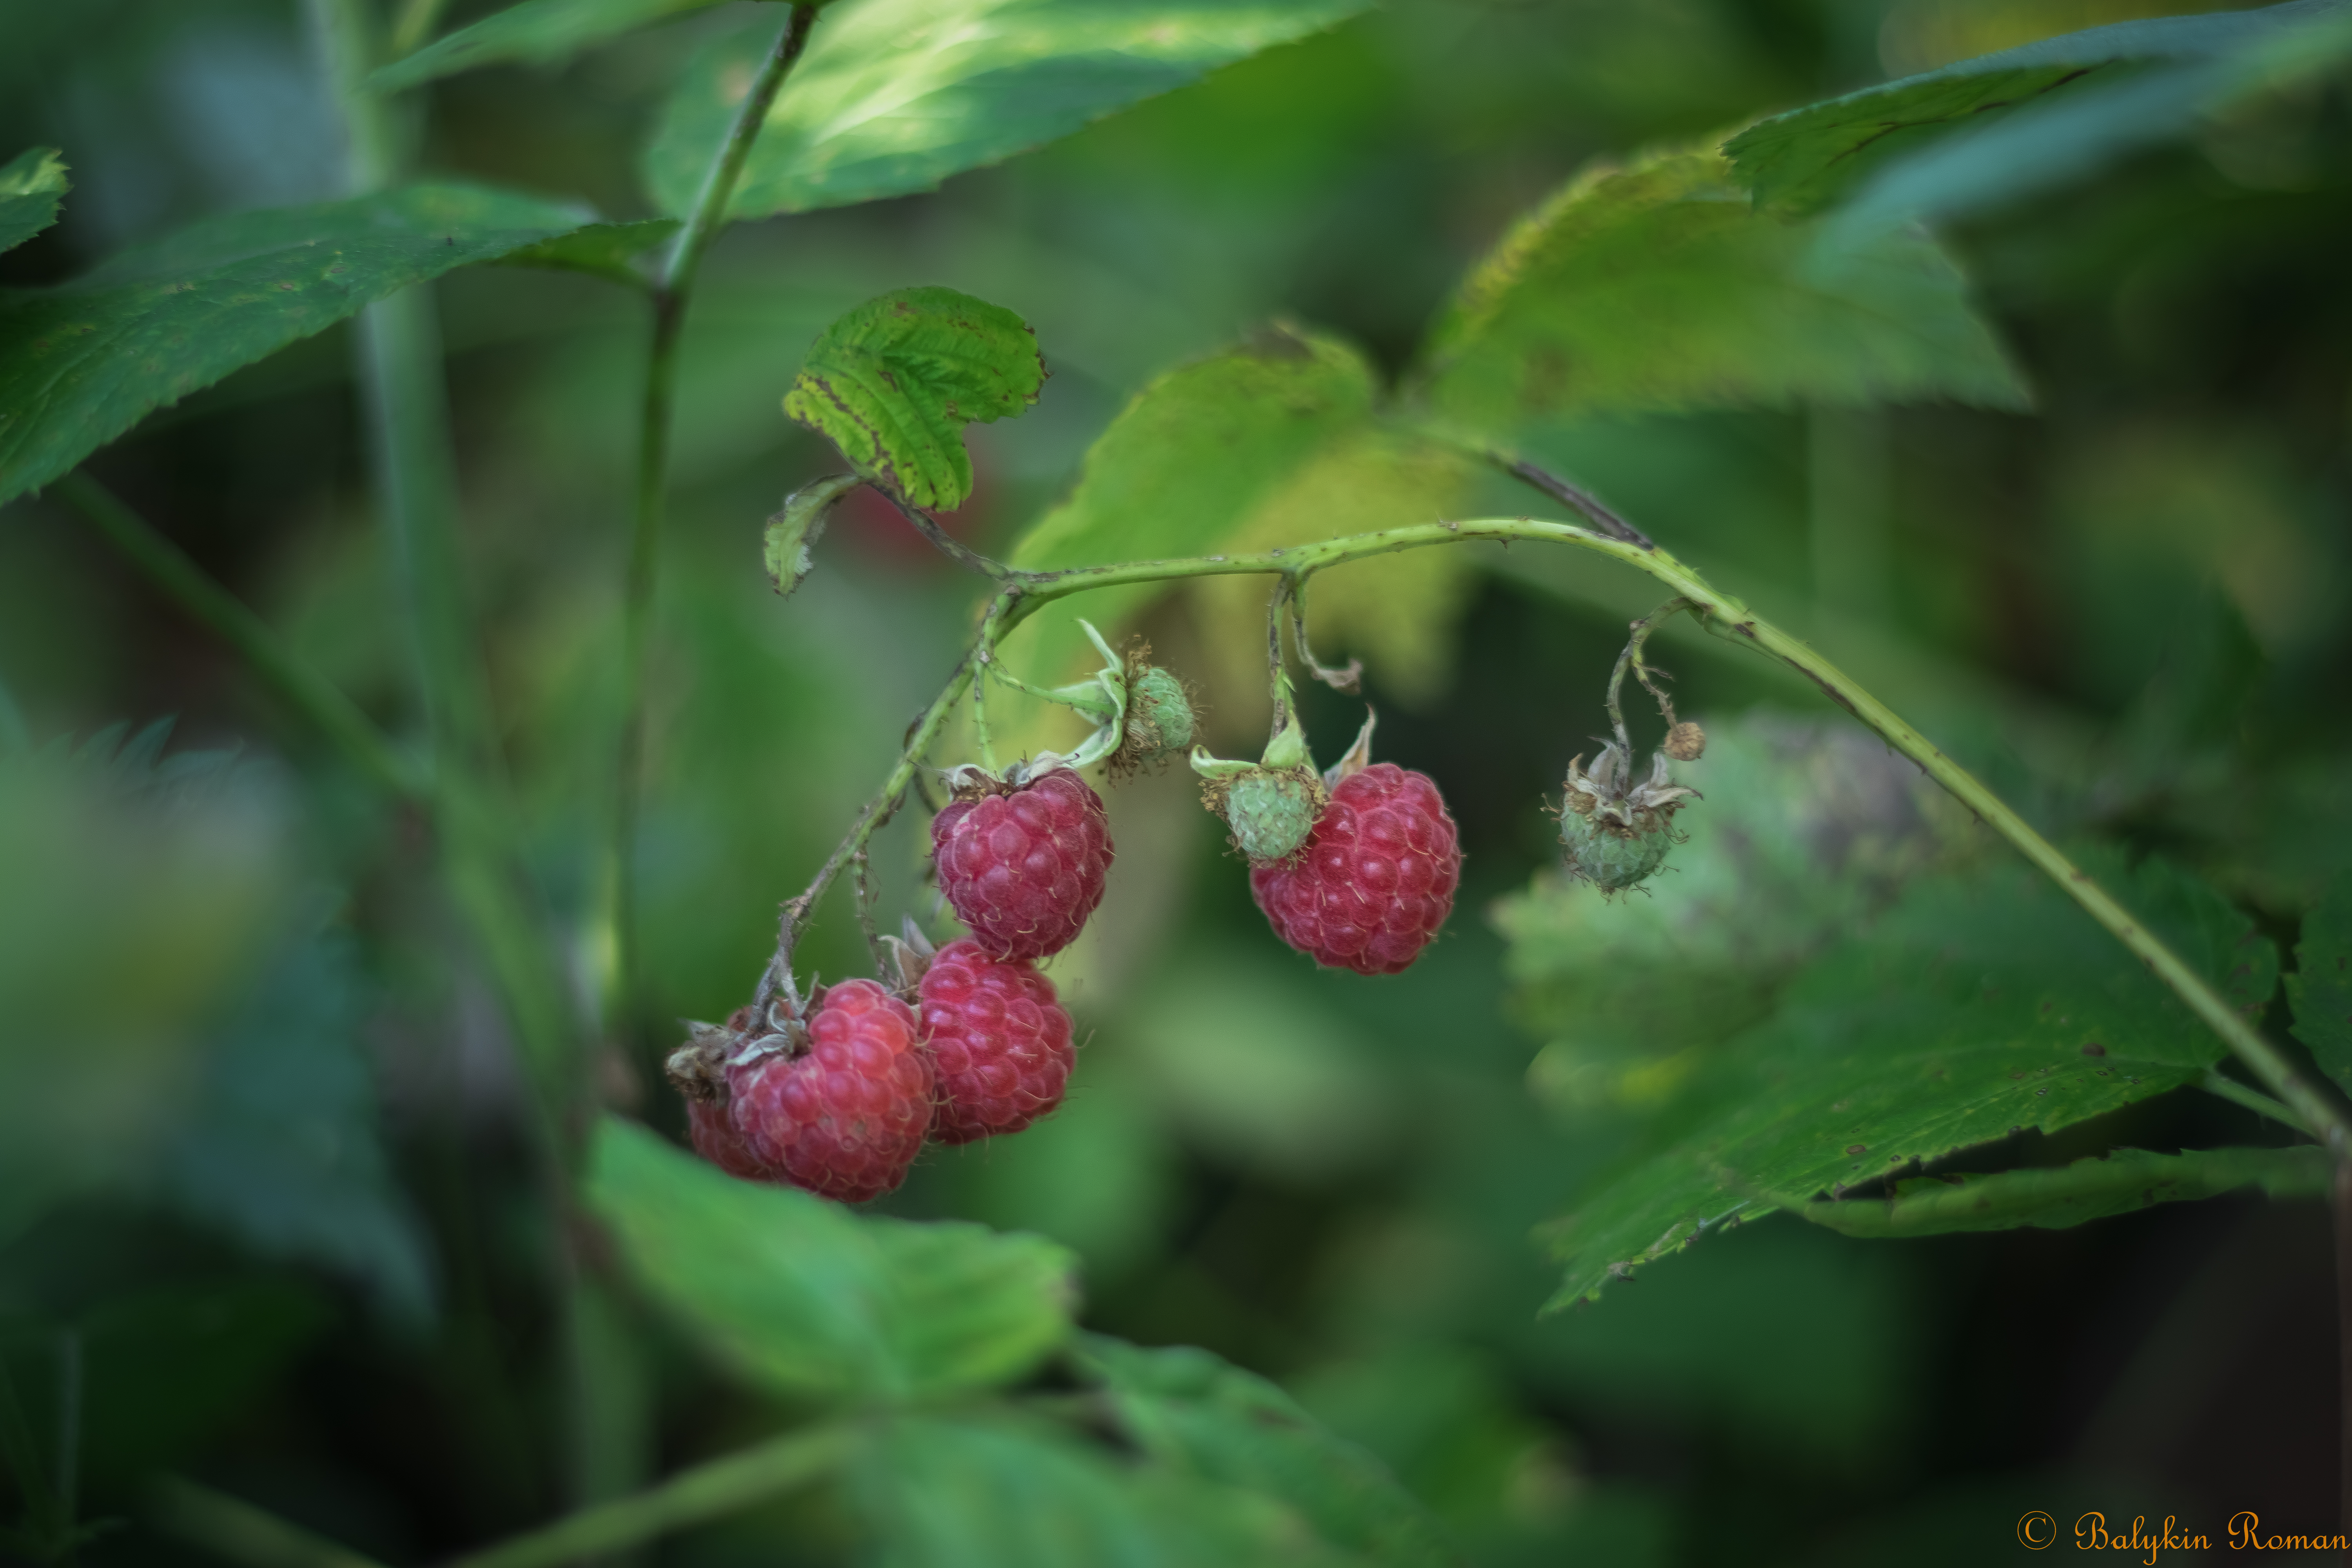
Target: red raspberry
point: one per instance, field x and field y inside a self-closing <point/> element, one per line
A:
<point x="999" y="1042"/>
<point x="717" y="1140"/>
<point x="1025" y="868"/>
<point x="849" y="1118"/>
<point x="1375" y="879"/>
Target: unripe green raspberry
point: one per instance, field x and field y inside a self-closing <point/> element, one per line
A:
<point x="1617" y="832"/>
<point x="1611" y="858"/>
<point x="1158" y="717"/>
<point x="1272" y="810"/>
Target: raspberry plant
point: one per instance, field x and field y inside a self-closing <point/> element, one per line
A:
<point x="1853" y="1041"/>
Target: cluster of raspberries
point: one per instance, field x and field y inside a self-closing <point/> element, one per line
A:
<point x="841" y="1099"/>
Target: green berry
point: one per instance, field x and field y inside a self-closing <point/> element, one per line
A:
<point x="1617" y="831"/>
<point x="1158" y="717"/>
<point x="1272" y="810"/>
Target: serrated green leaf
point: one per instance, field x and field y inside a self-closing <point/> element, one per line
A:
<point x="1812" y="157"/>
<point x="1198" y="1414"/>
<point x="893" y="383"/>
<point x="791" y="531"/>
<point x="1973" y="1009"/>
<point x="1657" y="287"/>
<point x="2069" y="135"/>
<point x="31" y="186"/>
<point x="1001" y="1490"/>
<point x="1181" y="468"/>
<point x="812" y="1300"/>
<point x="895" y="96"/>
<point x="83" y="363"/>
<point x="2320" y="989"/>
<point x="600" y="249"/>
<point x="2056" y="1199"/>
<point x="537" y="30"/>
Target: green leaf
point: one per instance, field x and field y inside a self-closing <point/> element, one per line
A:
<point x="536" y="30"/>
<point x="1657" y="287"/>
<point x="893" y="384"/>
<point x="1973" y="1009"/>
<point x="83" y="363"/>
<point x="605" y="250"/>
<point x="2056" y="1199"/>
<point x="812" y="1300"/>
<point x="2320" y="989"/>
<point x="31" y="184"/>
<point x="1197" y="1414"/>
<point x="1000" y="1490"/>
<point x="895" y="96"/>
<point x="1182" y="467"/>
<point x="785" y="545"/>
<point x="1812" y="157"/>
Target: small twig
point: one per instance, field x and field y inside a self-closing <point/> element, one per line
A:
<point x="1632" y="660"/>
<point x="1279" y="680"/>
<point x="2226" y="1088"/>
<point x="1351" y="680"/>
<point x="863" y="876"/>
<point x="946" y="543"/>
<point x="168" y="570"/>
<point x="1575" y="496"/>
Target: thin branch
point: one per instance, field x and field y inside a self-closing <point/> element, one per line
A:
<point x="1278" y="679"/>
<point x="1632" y="660"/>
<point x="863" y="875"/>
<point x="1351" y="680"/>
<point x="1576" y="495"/>
<point x="166" y="566"/>
<point x="235" y="1529"/>
<point x="946" y="543"/>
<point x="2261" y="1104"/>
<point x="671" y="286"/>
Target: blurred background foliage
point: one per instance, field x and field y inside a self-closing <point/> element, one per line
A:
<point x="263" y="1199"/>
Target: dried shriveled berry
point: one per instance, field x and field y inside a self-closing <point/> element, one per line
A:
<point x="1616" y="831"/>
<point x="1024" y="865"/>
<point x="999" y="1041"/>
<point x="848" y="1118"/>
<point x="1376" y="880"/>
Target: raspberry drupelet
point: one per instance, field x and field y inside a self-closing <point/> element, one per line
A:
<point x="999" y="1041"/>
<point x="848" y="1118"/>
<point x="1374" y="880"/>
<point x="1024" y="865"/>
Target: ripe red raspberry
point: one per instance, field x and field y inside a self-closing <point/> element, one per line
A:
<point x="848" y="1118"/>
<point x="717" y="1140"/>
<point x="1375" y="879"/>
<point x="1023" y="867"/>
<point x="1000" y="1041"/>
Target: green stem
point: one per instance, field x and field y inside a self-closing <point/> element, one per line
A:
<point x="707" y="1491"/>
<point x="236" y="1530"/>
<point x="1735" y="620"/>
<point x="167" y="567"/>
<point x="415" y="479"/>
<point x="2261" y="1104"/>
<point x="1632" y="660"/>
<point x="672" y="286"/>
